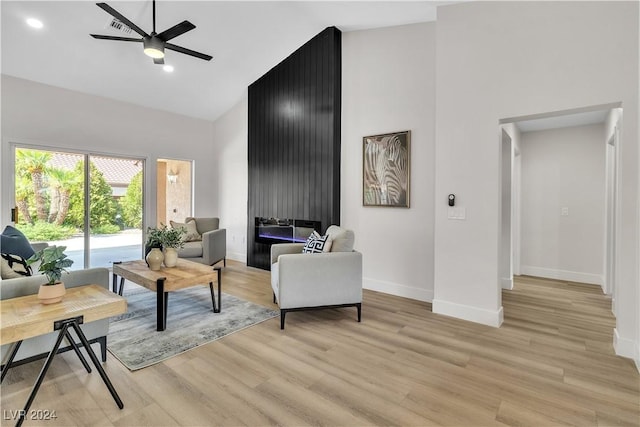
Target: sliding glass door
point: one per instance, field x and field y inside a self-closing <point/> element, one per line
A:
<point x="91" y="204"/>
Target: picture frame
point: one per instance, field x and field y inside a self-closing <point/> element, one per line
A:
<point x="386" y="161"/>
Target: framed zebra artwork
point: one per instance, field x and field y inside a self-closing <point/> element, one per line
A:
<point x="385" y="171"/>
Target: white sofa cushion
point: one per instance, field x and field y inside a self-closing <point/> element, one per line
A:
<point x="343" y="239"/>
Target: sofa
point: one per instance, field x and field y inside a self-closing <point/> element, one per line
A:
<point x="306" y="281"/>
<point x="207" y="246"/>
<point x="38" y="347"/>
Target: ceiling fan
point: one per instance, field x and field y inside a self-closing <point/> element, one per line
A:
<point x="154" y="44"/>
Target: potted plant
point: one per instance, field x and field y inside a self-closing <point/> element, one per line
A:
<point x="53" y="261"/>
<point x="172" y="240"/>
<point x="153" y="248"/>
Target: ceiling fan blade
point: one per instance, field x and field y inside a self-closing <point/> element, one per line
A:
<point x="122" y="39"/>
<point x="158" y="61"/>
<point x="188" y="51"/>
<point x="176" y="30"/>
<point x="111" y="11"/>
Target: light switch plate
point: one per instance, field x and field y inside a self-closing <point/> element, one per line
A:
<point x="456" y="213"/>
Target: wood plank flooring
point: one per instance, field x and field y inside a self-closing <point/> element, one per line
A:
<point x="551" y="363"/>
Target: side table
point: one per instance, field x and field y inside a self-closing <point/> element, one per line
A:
<point x="25" y="317"/>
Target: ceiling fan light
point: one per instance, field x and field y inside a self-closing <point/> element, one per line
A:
<point x="35" y="23"/>
<point x="153" y="47"/>
<point x="153" y="52"/>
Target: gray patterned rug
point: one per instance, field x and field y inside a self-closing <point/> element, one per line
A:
<point x="191" y="322"/>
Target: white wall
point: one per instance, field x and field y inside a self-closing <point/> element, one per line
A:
<point x="34" y="113"/>
<point x="231" y="143"/>
<point x="508" y="59"/>
<point x="564" y="168"/>
<point x="381" y="92"/>
<point x="388" y="85"/>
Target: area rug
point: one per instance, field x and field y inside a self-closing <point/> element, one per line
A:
<point x="191" y="322"/>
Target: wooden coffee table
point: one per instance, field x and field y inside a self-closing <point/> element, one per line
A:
<point x="185" y="274"/>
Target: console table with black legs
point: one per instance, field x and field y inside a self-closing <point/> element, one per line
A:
<point x="25" y="317"/>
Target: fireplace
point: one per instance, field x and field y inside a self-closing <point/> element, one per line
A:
<point x="283" y="230"/>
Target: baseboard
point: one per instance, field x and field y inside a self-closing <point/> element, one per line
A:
<point x="506" y="283"/>
<point x="237" y="256"/>
<point x="571" y="276"/>
<point x="398" y="289"/>
<point x="470" y="313"/>
<point x="626" y="348"/>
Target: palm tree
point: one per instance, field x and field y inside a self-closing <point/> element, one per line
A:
<point x="23" y="190"/>
<point x="61" y="181"/>
<point x="34" y="163"/>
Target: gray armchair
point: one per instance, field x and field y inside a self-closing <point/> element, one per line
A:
<point x="213" y="246"/>
<point x="313" y="281"/>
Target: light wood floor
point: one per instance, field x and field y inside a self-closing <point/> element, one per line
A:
<point x="551" y="363"/>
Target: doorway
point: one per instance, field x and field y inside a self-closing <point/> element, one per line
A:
<point x="560" y="213"/>
<point x="174" y="190"/>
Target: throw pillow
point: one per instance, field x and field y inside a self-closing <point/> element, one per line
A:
<point x="317" y="244"/>
<point x="14" y="266"/>
<point x="192" y="232"/>
<point x="12" y="241"/>
<point x="343" y="239"/>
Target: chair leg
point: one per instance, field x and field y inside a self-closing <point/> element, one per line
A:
<point x="359" y="307"/>
<point x="224" y="261"/>
<point x="274" y="298"/>
<point x="282" y="314"/>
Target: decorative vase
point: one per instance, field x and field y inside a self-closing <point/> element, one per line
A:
<point x="170" y="257"/>
<point x="51" y="294"/>
<point x="154" y="259"/>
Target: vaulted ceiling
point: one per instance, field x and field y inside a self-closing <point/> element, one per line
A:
<point x="246" y="39"/>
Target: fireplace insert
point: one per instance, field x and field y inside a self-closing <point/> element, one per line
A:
<point x="281" y="230"/>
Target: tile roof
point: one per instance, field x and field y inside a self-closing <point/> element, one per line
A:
<point x="116" y="171"/>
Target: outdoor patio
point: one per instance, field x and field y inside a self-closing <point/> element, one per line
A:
<point x="105" y="248"/>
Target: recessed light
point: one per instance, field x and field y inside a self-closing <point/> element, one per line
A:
<point x="35" y="23"/>
<point x="168" y="68"/>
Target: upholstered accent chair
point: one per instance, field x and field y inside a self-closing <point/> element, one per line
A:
<point x="305" y="281"/>
<point x="211" y="248"/>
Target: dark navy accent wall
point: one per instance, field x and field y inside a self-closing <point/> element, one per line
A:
<point x="294" y="140"/>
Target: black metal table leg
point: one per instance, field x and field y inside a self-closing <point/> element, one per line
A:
<point x="77" y="350"/>
<point x="121" y="286"/>
<point x="213" y="296"/>
<point x="166" y="307"/>
<point x="216" y="309"/>
<point x="114" y="279"/>
<point x="14" y="350"/>
<point x="96" y="363"/>
<point x="161" y="303"/>
<point x="43" y="371"/>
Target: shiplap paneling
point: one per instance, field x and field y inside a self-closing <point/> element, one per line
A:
<point x="294" y="140"/>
